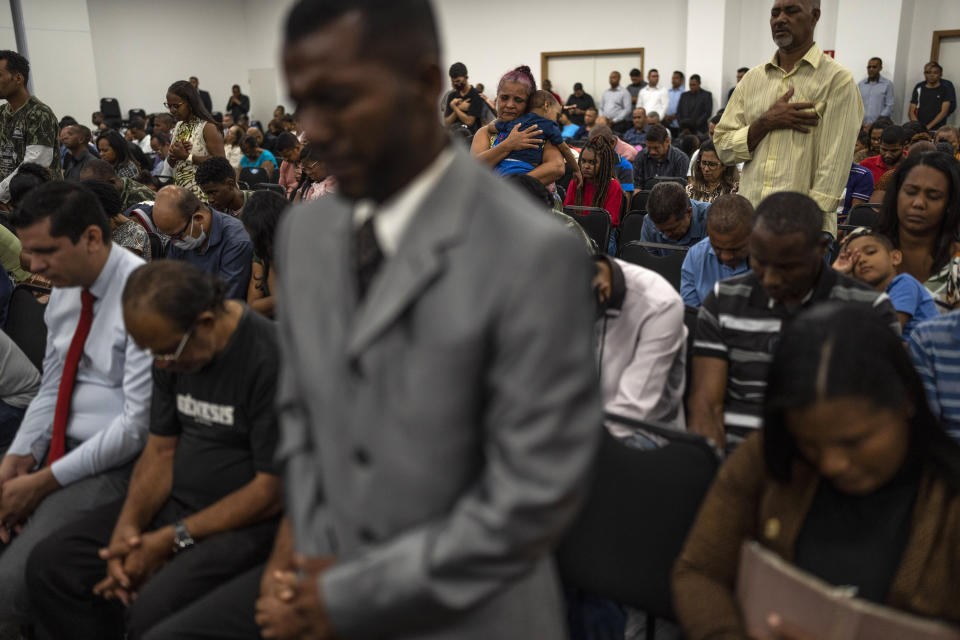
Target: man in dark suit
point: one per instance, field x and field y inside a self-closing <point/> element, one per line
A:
<point x="439" y="400"/>
<point x="204" y="95"/>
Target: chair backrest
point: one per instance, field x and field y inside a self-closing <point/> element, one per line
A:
<point x="690" y="315"/>
<point x="863" y="215"/>
<point x="253" y="175"/>
<point x="110" y="108"/>
<point x="641" y="505"/>
<point x="668" y="266"/>
<point x="270" y="186"/>
<point x="25" y="324"/>
<point x="158" y="248"/>
<point x="132" y="113"/>
<point x="655" y="180"/>
<point x="630" y="227"/>
<point x="640" y="200"/>
<point x="595" y="221"/>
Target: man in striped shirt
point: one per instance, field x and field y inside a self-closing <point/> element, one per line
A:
<point x="935" y="348"/>
<point x="741" y="320"/>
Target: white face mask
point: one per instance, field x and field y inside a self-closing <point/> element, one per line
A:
<point x="188" y="242"/>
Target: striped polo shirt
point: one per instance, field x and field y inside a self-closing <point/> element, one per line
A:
<point x="935" y="348"/>
<point x="741" y="324"/>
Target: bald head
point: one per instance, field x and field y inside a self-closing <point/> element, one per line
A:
<point x="256" y="133"/>
<point x="173" y="208"/>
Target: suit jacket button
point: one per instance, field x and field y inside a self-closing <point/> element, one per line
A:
<point x="366" y="535"/>
<point x="361" y="457"/>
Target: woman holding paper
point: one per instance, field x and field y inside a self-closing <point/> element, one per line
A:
<point x="852" y="480"/>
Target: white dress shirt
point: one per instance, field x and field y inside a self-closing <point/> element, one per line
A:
<point x="654" y="99"/>
<point x="394" y="216"/>
<point x="110" y="406"/>
<point x="641" y="351"/>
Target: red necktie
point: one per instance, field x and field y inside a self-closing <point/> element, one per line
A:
<point x="58" y="445"/>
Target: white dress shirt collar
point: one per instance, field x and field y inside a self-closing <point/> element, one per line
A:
<point x="393" y="217"/>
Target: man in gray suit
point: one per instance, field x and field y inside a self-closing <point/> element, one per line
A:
<point x="439" y="404"/>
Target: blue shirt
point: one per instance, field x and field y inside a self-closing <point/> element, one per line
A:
<point x="635" y="137"/>
<point x="877" y="98"/>
<point x="263" y="157"/>
<point x="229" y="254"/>
<point x="570" y="131"/>
<point x="935" y="349"/>
<point x="701" y="270"/>
<point x="673" y="97"/>
<point x="909" y="296"/>
<point x="859" y="185"/>
<point x="528" y="157"/>
<point x="696" y="232"/>
<point x="624" y="171"/>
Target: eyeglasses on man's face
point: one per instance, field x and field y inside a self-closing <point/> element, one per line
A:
<point x="172" y="357"/>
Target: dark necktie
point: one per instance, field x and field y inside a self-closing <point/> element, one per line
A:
<point x="61" y="415"/>
<point x="367" y="256"/>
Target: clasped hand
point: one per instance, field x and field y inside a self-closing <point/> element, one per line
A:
<point x="132" y="558"/>
<point x="291" y="605"/>
<point x="179" y="149"/>
<point x="21" y="492"/>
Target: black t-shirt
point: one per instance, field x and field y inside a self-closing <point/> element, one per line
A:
<point x="931" y="100"/>
<point x="583" y="102"/>
<point x="224" y="415"/>
<point x="475" y="109"/>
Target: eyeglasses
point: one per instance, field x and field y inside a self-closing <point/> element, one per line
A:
<point x="311" y="165"/>
<point x="173" y="105"/>
<point x="170" y="357"/>
<point x="179" y="235"/>
<point x="709" y="165"/>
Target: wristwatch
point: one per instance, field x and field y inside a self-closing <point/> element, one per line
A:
<point x="181" y="537"/>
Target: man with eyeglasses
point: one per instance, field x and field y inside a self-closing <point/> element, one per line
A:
<point x="210" y="239"/>
<point x="204" y="497"/>
<point x="90" y="417"/>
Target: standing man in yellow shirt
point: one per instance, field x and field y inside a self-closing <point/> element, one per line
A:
<point x="793" y="121"/>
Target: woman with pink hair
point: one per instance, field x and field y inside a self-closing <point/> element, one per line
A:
<point x="513" y="99"/>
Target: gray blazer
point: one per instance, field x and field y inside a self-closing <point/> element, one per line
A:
<point x="438" y="435"/>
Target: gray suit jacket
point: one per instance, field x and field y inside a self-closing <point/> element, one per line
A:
<point x="438" y="435"/>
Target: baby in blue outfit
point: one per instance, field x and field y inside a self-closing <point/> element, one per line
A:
<point x="543" y="113"/>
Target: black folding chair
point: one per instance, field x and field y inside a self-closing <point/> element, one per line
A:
<point x="253" y="175"/>
<point x="270" y="186"/>
<point x="595" y="221"/>
<point x="639" y="202"/>
<point x="158" y="248"/>
<point x="110" y="109"/>
<point x="25" y="324"/>
<point x="655" y="180"/>
<point x="641" y="505"/>
<point x="631" y="226"/>
<point x="668" y="266"/>
<point x="864" y="214"/>
<point x="690" y="315"/>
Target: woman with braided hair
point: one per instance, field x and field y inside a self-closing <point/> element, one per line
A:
<point x="600" y="187"/>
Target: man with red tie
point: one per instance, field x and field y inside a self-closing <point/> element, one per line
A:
<point x="89" y="420"/>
